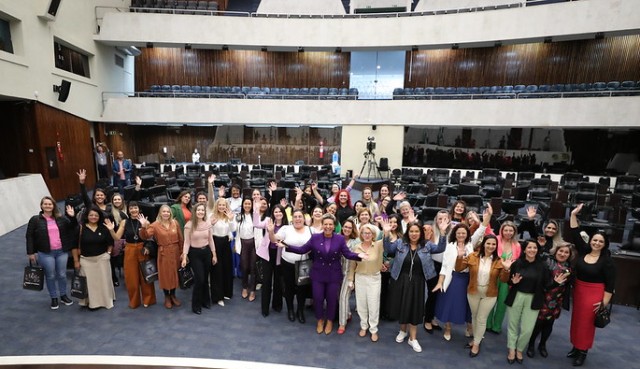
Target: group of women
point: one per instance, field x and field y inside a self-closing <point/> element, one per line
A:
<point x="453" y="270"/>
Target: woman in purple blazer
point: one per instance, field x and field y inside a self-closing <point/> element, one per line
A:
<point x="326" y="249"/>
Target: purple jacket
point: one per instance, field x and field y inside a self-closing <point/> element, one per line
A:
<point x="326" y="264"/>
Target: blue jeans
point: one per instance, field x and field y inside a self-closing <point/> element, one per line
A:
<point x="55" y="271"/>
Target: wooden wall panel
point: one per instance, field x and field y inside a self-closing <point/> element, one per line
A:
<point x="241" y="68"/>
<point x="53" y="125"/>
<point x="584" y="61"/>
<point x="272" y="144"/>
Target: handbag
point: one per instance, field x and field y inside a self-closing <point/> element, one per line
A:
<point x="79" y="286"/>
<point x="303" y="269"/>
<point x="149" y="269"/>
<point x="260" y="270"/>
<point x="33" y="277"/>
<point x="603" y="316"/>
<point x="185" y="277"/>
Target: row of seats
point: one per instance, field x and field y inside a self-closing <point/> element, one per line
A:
<point x="613" y="88"/>
<point x="180" y="6"/>
<point x="251" y="92"/>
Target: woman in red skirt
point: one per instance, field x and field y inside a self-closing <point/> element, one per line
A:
<point x="594" y="284"/>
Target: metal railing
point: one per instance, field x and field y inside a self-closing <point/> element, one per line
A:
<point x="506" y="5"/>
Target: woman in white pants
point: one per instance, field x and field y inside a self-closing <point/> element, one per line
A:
<point x="366" y="275"/>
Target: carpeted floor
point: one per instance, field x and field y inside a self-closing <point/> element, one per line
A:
<point x="239" y="332"/>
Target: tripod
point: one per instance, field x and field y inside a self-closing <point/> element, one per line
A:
<point x="372" y="166"/>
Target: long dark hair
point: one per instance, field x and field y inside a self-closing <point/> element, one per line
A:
<point x="523" y="254"/>
<point x="421" y="240"/>
<point x="605" y="249"/>
<point x="494" y="254"/>
<point x="285" y="220"/>
<point x="242" y="212"/>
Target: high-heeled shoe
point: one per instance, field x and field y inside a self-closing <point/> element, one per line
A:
<point x="519" y="359"/>
<point x="300" y="313"/>
<point x="320" y="326"/>
<point x="573" y="353"/>
<point x="341" y="329"/>
<point x="447" y="334"/>
<point x="291" y="315"/>
<point x="328" y="327"/>
<point x="511" y="361"/>
<point x="428" y="330"/>
<point x="474" y="354"/>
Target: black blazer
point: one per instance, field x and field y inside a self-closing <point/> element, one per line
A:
<point x="543" y="281"/>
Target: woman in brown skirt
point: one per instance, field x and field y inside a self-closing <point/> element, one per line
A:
<point x="169" y="238"/>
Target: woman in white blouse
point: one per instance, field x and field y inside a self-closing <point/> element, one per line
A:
<point x="452" y="305"/>
<point x="223" y="225"/>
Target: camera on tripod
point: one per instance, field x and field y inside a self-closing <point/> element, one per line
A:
<point x="371" y="144"/>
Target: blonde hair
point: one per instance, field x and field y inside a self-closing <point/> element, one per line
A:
<point x="159" y="218"/>
<point x="217" y="214"/>
<point x="372" y="228"/>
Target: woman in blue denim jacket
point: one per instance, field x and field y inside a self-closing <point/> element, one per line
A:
<point x="411" y="268"/>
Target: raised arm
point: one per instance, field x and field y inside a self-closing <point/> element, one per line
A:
<point x="82" y="176"/>
<point x="211" y="198"/>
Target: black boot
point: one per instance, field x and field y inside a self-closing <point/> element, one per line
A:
<point x="300" y="314"/>
<point x="531" y="352"/>
<point x="542" y="349"/>
<point x="573" y="353"/>
<point x="291" y="315"/>
<point x="580" y="358"/>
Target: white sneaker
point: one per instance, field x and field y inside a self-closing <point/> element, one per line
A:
<point x="414" y="345"/>
<point x="221" y="303"/>
<point x="401" y="336"/>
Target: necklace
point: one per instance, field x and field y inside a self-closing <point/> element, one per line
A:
<point x="135" y="229"/>
<point x="413" y="254"/>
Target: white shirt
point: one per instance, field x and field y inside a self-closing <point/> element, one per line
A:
<point x="292" y="238"/>
<point x="484" y="269"/>
<point x="245" y="228"/>
<point x="224" y="228"/>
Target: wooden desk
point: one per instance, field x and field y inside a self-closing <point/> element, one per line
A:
<point x="627" y="280"/>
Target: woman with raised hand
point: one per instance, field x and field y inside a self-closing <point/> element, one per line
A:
<point x="529" y="279"/>
<point x="558" y="262"/>
<point x="129" y="229"/>
<point x="366" y="276"/>
<point x="411" y="268"/>
<point x="168" y="236"/>
<point x="326" y="273"/>
<point x="547" y="232"/>
<point x="508" y="248"/>
<point x="223" y="225"/>
<point x="350" y="233"/>
<point x="485" y="269"/>
<point x="50" y="237"/>
<point x="272" y="257"/>
<point x="91" y="259"/>
<point x="452" y="305"/>
<point x="433" y="234"/>
<point x="200" y="252"/>
<point x="595" y="279"/>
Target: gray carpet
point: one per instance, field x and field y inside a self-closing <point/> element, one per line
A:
<point x="239" y="332"/>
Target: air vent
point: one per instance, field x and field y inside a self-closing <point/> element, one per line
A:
<point x="119" y="61"/>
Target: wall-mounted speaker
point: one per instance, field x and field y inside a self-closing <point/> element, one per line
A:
<point x="63" y="90"/>
<point x="52" y="11"/>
